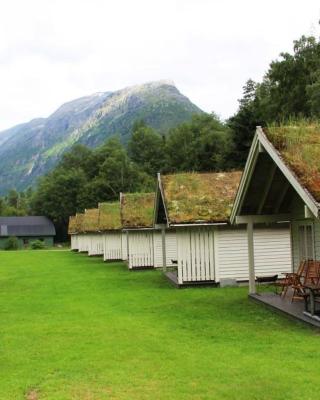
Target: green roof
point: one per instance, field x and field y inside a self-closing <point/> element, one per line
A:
<point x="298" y="144"/>
<point x="137" y="210"/>
<point x="199" y="197"/>
<point x="109" y="216"/>
<point x="91" y="220"/>
<point x="72" y="225"/>
<point x="79" y="222"/>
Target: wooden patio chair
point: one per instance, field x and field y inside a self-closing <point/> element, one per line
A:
<point x="299" y="292"/>
<point x="290" y="278"/>
<point x="310" y="276"/>
<point x="312" y="273"/>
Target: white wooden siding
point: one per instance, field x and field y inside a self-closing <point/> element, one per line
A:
<point x="171" y="248"/>
<point x="112" y="246"/>
<point x="157" y="247"/>
<point x="83" y="243"/>
<point x="195" y="254"/>
<point x="316" y="230"/>
<point x="272" y="252"/>
<point x="74" y="242"/>
<point x="124" y="246"/>
<point x="96" y="245"/>
<point x="140" y="245"/>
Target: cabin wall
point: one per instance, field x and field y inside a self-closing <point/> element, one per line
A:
<point x="272" y="252"/>
<point x="221" y="252"/>
<point x="74" y="242"/>
<point x="195" y="254"/>
<point x="96" y="247"/>
<point x="25" y="241"/>
<point x="124" y="246"/>
<point x="171" y="248"/>
<point x="141" y="249"/>
<point x="83" y="243"/>
<point x="112" y="246"/>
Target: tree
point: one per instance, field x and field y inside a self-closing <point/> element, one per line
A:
<point x="13" y="198"/>
<point x="83" y="179"/>
<point x="290" y="89"/>
<point x="243" y="124"/>
<point x="57" y="196"/>
<point x="200" y="145"/>
<point x="146" y="148"/>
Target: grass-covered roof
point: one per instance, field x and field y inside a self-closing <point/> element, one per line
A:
<point x="79" y="222"/>
<point x="199" y="197"/>
<point x="109" y="216"/>
<point x="72" y="225"/>
<point x="91" y="220"/>
<point x="137" y="210"/>
<point x="299" y="146"/>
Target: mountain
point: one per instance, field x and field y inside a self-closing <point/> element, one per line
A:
<point x="30" y="150"/>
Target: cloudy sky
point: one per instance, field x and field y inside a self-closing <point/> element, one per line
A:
<point x="52" y="51"/>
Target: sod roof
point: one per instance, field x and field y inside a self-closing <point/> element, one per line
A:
<point x="91" y="220"/>
<point x="137" y="210"/>
<point x="109" y="216"/>
<point x="79" y="222"/>
<point x="199" y="197"/>
<point x="72" y="225"/>
<point x="299" y="147"/>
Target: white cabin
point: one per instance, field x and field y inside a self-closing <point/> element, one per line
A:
<point x="194" y="209"/>
<point x="144" y="242"/>
<point x="114" y="240"/>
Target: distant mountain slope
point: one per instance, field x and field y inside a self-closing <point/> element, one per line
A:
<point x="29" y="150"/>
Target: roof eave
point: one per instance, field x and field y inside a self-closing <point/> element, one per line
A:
<point x="305" y="195"/>
<point x="260" y="138"/>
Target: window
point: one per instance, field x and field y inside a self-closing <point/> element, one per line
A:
<point x="306" y="247"/>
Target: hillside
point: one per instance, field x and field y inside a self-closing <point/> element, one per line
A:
<point x="29" y="150"/>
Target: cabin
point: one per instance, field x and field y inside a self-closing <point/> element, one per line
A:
<point x="143" y="241"/>
<point x="281" y="182"/>
<point x="82" y="239"/>
<point x="73" y="233"/>
<point x="91" y="228"/>
<point x="26" y="230"/>
<point x="210" y="250"/>
<point x="114" y="240"/>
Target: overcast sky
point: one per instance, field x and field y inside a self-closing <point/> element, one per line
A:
<point x="52" y="51"/>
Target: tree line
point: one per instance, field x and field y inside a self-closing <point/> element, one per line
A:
<point x="290" y="89"/>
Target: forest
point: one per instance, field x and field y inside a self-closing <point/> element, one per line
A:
<point x="289" y="91"/>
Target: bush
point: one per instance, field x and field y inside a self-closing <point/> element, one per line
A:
<point x="12" y="243"/>
<point x="37" y="245"/>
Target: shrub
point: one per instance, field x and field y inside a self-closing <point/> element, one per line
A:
<point x="37" y="245"/>
<point x="12" y="243"/>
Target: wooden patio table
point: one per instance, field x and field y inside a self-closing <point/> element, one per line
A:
<point x="312" y="292"/>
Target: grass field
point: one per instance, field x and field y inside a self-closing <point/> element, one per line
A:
<point x="73" y="327"/>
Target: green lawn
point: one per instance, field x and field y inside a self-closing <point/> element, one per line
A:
<point x="73" y="327"/>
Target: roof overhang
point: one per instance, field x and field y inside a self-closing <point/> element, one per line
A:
<point x="199" y="224"/>
<point x="260" y="144"/>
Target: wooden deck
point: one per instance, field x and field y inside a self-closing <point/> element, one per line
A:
<point x="285" y="306"/>
<point x="172" y="276"/>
